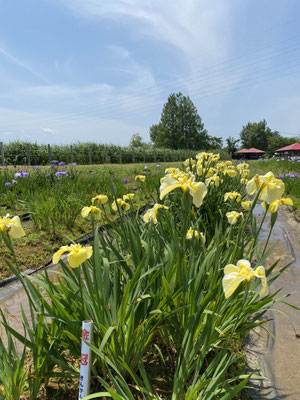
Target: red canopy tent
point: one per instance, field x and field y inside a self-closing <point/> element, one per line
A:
<point x="292" y="149"/>
<point x="250" y="153"/>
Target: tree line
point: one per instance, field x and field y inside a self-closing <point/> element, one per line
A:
<point x="181" y="127"/>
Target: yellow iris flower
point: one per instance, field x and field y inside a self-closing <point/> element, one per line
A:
<point x="233" y="217"/>
<point x="171" y="170"/>
<point x="140" y="178"/>
<point x="230" y="172"/>
<point x="246" y="204"/>
<point x="128" y="196"/>
<point x="234" y="275"/>
<point x="274" y="206"/>
<point x="213" y="180"/>
<point x="271" y="188"/>
<point x="197" y="190"/>
<point x="233" y="196"/>
<point x="77" y="254"/>
<point x="244" y="181"/>
<point x="207" y="157"/>
<point x="193" y="233"/>
<point x="91" y="209"/>
<point x="100" y="199"/>
<point x="12" y="226"/>
<point x="121" y="203"/>
<point x="242" y="167"/>
<point x="151" y="214"/>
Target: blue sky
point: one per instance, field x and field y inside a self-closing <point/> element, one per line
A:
<point x="101" y="70"/>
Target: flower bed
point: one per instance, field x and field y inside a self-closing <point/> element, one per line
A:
<point x="172" y="293"/>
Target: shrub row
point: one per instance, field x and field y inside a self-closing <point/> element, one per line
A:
<point x="20" y="153"/>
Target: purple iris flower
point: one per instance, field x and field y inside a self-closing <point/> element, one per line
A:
<point x="294" y="175"/>
<point x="47" y="175"/>
<point x="7" y="184"/>
<point x="125" y="180"/>
<point x="281" y="176"/>
<point x="72" y="164"/>
<point x="35" y="166"/>
<point x="54" y="161"/>
<point x="59" y="173"/>
<point x="21" y="174"/>
<point x="13" y="181"/>
<point x="61" y="163"/>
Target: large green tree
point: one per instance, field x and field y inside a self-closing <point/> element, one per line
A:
<point x="255" y="134"/>
<point x="180" y="126"/>
<point x="259" y="135"/>
<point x="276" y="141"/>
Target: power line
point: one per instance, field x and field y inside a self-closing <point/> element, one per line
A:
<point x="224" y="88"/>
<point x="95" y="107"/>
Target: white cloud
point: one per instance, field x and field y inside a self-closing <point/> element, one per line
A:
<point x="49" y="130"/>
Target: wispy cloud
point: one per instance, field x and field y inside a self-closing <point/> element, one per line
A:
<point x="20" y="63"/>
<point x="199" y="30"/>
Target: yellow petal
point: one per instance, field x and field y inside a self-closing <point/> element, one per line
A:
<point x="56" y="256"/>
<point x="85" y="211"/>
<point x="287" y="201"/>
<point x="16" y="230"/>
<point x="203" y="237"/>
<point x="251" y="187"/>
<point x="167" y="186"/>
<point x="246" y="205"/>
<point x="126" y="206"/>
<point x="78" y="256"/>
<point x="274" y="191"/>
<point x="273" y="207"/>
<point x="100" y="198"/>
<point x="199" y="192"/>
<point x="231" y="282"/>
<point x="146" y="217"/>
<point x="230" y="268"/>
<point x="261" y="273"/>
<point x="244" y="263"/>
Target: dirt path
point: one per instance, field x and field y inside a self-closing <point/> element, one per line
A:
<point x="279" y="358"/>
